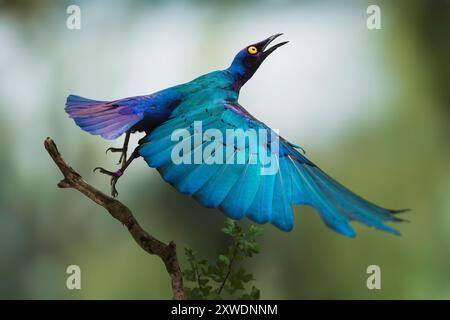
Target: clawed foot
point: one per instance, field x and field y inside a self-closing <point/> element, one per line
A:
<point x="114" y="177"/>
<point x="123" y="154"/>
<point x="123" y="161"/>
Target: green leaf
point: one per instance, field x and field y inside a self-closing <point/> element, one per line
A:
<point x="255" y="231"/>
<point x="189" y="275"/>
<point x="224" y="259"/>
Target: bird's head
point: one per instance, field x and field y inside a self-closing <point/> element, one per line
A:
<point x="248" y="60"/>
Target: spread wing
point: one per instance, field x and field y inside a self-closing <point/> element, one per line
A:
<point x="240" y="188"/>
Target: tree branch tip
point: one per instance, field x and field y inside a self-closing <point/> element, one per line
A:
<point x="49" y="144"/>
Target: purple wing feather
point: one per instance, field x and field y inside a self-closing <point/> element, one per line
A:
<point x="109" y="119"/>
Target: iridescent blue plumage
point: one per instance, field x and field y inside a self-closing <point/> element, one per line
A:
<point x="239" y="190"/>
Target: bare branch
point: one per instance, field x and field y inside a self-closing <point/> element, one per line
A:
<point x="167" y="252"/>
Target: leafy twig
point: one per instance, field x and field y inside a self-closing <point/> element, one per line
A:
<point x="230" y="266"/>
<point x="219" y="278"/>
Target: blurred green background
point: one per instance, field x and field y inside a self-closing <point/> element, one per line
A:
<point x="372" y="108"/>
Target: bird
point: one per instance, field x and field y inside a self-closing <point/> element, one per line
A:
<point x="238" y="189"/>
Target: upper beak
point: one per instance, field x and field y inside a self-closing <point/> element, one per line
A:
<point x="266" y="42"/>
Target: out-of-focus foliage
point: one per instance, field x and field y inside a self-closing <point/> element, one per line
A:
<point x="371" y="108"/>
<point x="222" y="278"/>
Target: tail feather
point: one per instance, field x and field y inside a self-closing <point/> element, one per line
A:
<point x="336" y="204"/>
<point x="353" y="206"/>
<point x="346" y="205"/>
<point x="104" y="118"/>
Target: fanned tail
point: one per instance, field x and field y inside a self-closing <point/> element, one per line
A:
<point x="109" y="119"/>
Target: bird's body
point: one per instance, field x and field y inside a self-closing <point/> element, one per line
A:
<point x="238" y="189"/>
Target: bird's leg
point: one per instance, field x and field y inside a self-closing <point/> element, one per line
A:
<point x="116" y="175"/>
<point x="120" y="172"/>
<point x="123" y="150"/>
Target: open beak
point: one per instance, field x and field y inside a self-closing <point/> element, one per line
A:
<point x="263" y="45"/>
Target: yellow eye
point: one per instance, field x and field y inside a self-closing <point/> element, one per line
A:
<point x="252" y="50"/>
